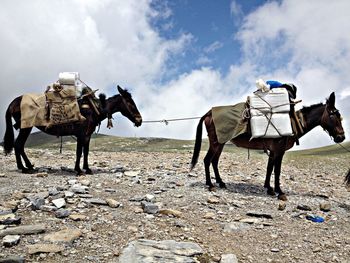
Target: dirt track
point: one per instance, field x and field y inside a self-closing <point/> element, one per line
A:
<point x="241" y="220"/>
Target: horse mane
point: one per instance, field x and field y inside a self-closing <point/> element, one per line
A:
<point x="307" y="109"/>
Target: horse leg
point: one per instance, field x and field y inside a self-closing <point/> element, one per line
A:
<point x="86" y="155"/>
<point x="278" y="164"/>
<point x="79" y="151"/>
<point x="207" y="160"/>
<point x="269" y="170"/>
<point x="215" y="162"/>
<point x="19" y="151"/>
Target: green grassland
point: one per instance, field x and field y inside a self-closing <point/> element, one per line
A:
<point x="100" y="142"/>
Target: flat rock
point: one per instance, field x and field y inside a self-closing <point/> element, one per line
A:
<point x="36" y="202"/>
<point x="143" y="251"/>
<point x="12" y="259"/>
<point x="132" y="173"/>
<point x="149" y="208"/>
<point x="235" y="227"/>
<point x="62" y="213"/>
<point x="59" y="203"/>
<point x="170" y="212"/>
<point x="23" y="230"/>
<point x="79" y="189"/>
<point x="96" y="201"/>
<point x="228" y="258"/>
<point x="10" y="240"/>
<point x="68" y="194"/>
<point x="67" y="235"/>
<point x="44" y="248"/>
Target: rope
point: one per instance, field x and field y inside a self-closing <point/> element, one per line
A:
<point x="166" y="121"/>
<point x="344" y="147"/>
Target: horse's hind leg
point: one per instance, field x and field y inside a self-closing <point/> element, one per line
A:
<point x="19" y="151"/>
<point x="215" y="162"/>
<point x="207" y="160"/>
<point x="269" y="170"/>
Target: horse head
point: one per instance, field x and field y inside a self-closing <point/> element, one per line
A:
<point x="331" y="120"/>
<point x="128" y="107"/>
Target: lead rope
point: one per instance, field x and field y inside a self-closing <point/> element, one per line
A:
<point x="166" y="121"/>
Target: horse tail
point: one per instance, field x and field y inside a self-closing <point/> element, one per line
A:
<point x="347" y="179"/>
<point x="198" y="143"/>
<point x="9" y="137"/>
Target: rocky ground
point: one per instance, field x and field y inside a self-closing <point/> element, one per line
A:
<point x="54" y="216"/>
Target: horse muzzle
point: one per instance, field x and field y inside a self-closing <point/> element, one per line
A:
<point x="138" y="121"/>
<point x="339" y="138"/>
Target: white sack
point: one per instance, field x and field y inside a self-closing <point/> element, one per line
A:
<point x="69" y="78"/>
<point x="279" y="125"/>
<point x="276" y="100"/>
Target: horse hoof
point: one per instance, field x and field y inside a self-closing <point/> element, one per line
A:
<point x="270" y="191"/>
<point x="88" y="171"/>
<point x="282" y="197"/>
<point x="222" y="185"/>
<point x="28" y="171"/>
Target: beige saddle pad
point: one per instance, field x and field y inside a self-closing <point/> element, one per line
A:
<point x="51" y="108"/>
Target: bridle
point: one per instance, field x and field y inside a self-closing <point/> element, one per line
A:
<point x="327" y="113"/>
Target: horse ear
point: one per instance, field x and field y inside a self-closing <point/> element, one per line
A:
<point x="331" y="100"/>
<point x="121" y="91"/>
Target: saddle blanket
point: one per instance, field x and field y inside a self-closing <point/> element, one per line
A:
<point x="51" y="108"/>
<point x="229" y="121"/>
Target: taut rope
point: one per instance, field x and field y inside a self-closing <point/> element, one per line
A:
<point x="166" y="121"/>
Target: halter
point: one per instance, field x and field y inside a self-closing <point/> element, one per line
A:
<point x="323" y="119"/>
<point x="109" y="122"/>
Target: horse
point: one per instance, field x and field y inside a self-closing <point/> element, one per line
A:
<point x="93" y="114"/>
<point x="324" y="115"/>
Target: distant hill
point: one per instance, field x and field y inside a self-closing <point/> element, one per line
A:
<point x="114" y="143"/>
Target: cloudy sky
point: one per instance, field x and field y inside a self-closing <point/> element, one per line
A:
<point x="178" y="58"/>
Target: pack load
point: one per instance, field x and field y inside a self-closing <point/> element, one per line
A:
<point x="61" y="98"/>
<point x="270" y="112"/>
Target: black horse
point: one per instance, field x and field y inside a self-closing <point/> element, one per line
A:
<point x="324" y="115"/>
<point x="122" y="103"/>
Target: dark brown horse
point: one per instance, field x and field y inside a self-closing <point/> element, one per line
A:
<point x="122" y="103"/>
<point x="325" y="115"/>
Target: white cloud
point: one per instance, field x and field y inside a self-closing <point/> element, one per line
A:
<point x="304" y="42"/>
<point x="109" y="42"/>
<point x="236" y="9"/>
<point x="213" y="47"/>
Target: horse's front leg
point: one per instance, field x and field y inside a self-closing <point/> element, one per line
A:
<point x="79" y="151"/>
<point x="86" y="155"/>
<point x="278" y="165"/>
<point x="269" y="170"/>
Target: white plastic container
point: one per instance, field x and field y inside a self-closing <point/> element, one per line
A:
<point x="278" y="126"/>
<point x="275" y="100"/>
<point x="69" y="78"/>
